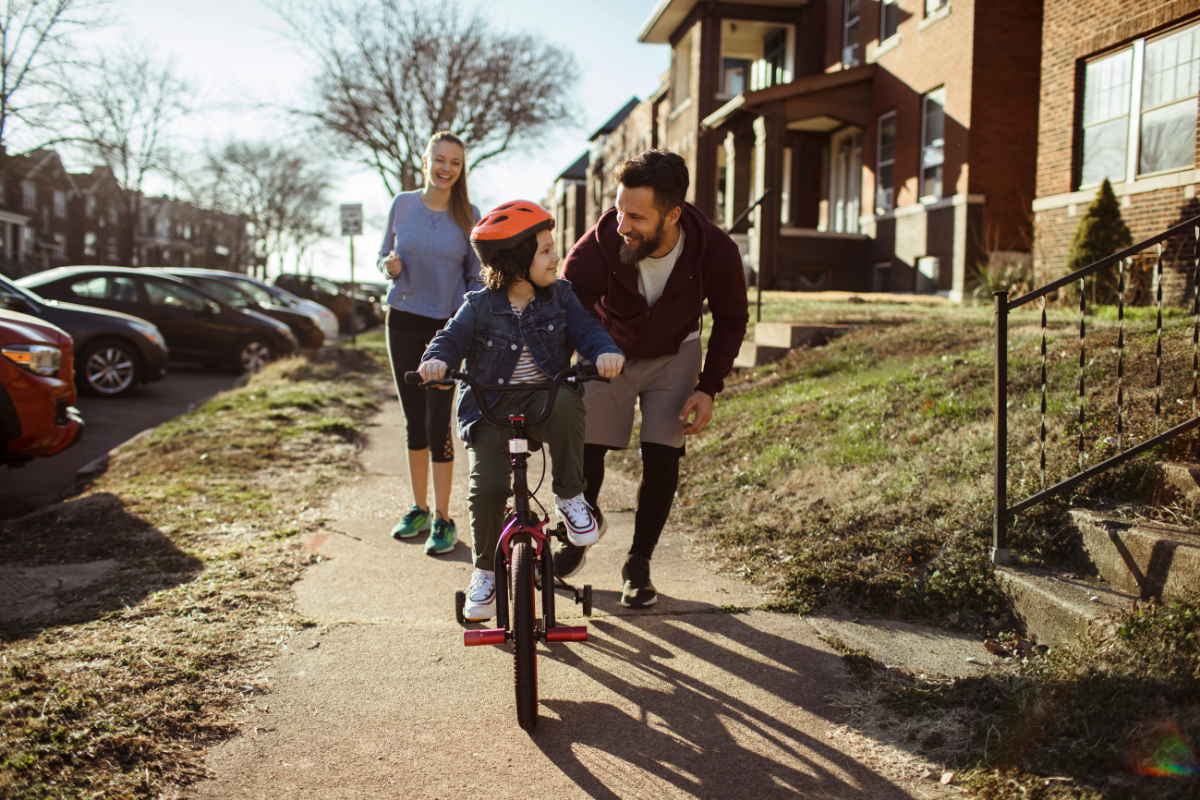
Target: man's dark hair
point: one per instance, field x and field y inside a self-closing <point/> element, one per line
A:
<point x="663" y="171"/>
<point x="510" y="265"/>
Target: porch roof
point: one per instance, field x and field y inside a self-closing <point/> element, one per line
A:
<point x="670" y="14"/>
<point x="822" y="101"/>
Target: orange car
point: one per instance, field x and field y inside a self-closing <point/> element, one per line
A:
<point x="37" y="389"/>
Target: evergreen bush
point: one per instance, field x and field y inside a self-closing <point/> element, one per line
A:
<point x="1101" y="233"/>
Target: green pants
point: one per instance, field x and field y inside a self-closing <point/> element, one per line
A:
<point x="491" y="468"/>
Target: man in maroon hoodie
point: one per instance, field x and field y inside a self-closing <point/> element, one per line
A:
<point x="645" y="270"/>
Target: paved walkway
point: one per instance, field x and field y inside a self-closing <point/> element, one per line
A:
<point x="381" y="699"/>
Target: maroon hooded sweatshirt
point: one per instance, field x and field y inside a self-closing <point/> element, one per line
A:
<point x="709" y="268"/>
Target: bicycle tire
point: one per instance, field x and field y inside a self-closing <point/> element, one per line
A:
<point x="524" y="636"/>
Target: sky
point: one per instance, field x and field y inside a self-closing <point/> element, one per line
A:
<point x="236" y="55"/>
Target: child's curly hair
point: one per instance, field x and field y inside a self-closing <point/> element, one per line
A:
<point x="510" y="266"/>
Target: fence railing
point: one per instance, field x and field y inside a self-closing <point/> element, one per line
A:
<point x="1004" y="512"/>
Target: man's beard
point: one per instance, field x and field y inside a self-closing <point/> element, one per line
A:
<point x="632" y="254"/>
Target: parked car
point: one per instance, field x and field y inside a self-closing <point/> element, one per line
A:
<point x="114" y="353"/>
<point x="197" y="325"/>
<point x="354" y="313"/>
<point x="250" y="298"/>
<point x="325" y="318"/>
<point x="37" y="390"/>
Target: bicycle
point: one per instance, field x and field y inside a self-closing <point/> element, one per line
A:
<point x="525" y="540"/>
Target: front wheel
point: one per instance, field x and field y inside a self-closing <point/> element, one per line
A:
<point x="524" y="636"/>
<point x="254" y="354"/>
<point x="108" y="369"/>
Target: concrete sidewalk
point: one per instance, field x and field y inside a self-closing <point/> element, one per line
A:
<point x="380" y="698"/>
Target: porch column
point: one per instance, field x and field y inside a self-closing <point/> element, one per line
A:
<point x="739" y="169"/>
<point x="764" y="235"/>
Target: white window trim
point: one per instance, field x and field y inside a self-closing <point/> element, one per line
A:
<point x="1133" y="140"/>
<point x="929" y="19"/>
<point x="922" y="196"/>
<point x="883" y="16"/>
<point x="879" y="162"/>
<point x="846" y="33"/>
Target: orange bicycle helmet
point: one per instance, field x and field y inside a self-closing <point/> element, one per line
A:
<point x="508" y="225"/>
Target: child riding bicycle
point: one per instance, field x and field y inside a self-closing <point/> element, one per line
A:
<point x="521" y="329"/>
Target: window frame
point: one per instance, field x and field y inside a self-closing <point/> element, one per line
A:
<point x="880" y="162"/>
<point x="1134" y="112"/>
<point x="884" y="5"/>
<point x="853" y="61"/>
<point x="29" y="195"/>
<point x="923" y="195"/>
<point x="58" y="200"/>
<point x="941" y="5"/>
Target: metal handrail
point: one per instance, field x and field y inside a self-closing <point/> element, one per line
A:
<point x="1002" y="511"/>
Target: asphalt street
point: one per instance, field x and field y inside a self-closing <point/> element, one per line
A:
<point x="379" y="698"/>
<point x="109" y="423"/>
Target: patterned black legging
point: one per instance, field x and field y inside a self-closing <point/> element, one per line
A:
<point x="426" y="412"/>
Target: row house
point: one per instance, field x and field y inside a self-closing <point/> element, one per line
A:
<point x="1119" y="86"/>
<point x="883" y="145"/>
<point x="567" y="203"/>
<point x="51" y="218"/>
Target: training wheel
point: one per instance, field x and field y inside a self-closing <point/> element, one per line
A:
<point x="460" y="602"/>
<point x="587" y="599"/>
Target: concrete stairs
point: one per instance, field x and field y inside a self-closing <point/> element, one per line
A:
<point x="773" y="340"/>
<point x="1122" y="562"/>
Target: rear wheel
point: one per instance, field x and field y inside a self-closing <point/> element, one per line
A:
<point x="460" y="602"/>
<point x="524" y="636"/>
<point x="108" y="369"/>
<point x="254" y="354"/>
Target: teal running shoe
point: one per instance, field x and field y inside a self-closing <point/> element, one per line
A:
<point x="443" y="539"/>
<point x="414" y="522"/>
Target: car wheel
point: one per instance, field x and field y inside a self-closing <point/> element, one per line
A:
<point x="254" y="354"/>
<point x="362" y="321"/>
<point x="108" y="369"/>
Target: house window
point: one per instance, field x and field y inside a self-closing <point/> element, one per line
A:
<point x="735" y="75"/>
<point x="89" y="244"/>
<point x="29" y="195"/>
<point x="885" y="163"/>
<point x="850" y="34"/>
<point x="889" y="19"/>
<point x="933" y="144"/>
<point x="60" y="204"/>
<point x="89" y="206"/>
<point x="775" y="58"/>
<point x="45" y="218"/>
<point x="1140" y="109"/>
<point x="934" y="6"/>
<point x="60" y="244"/>
<point x="28" y="238"/>
<point x="112" y="214"/>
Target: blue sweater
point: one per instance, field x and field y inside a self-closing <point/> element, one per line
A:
<point x="438" y="265"/>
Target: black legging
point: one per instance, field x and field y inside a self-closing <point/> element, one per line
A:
<point x="656" y="492"/>
<point x="426" y="412"/>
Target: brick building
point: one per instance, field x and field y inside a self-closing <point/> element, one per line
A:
<point x="1118" y="100"/>
<point x="567" y="203"/>
<point x="925" y="108"/>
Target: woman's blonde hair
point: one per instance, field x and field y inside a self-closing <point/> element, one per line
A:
<point x="460" y="199"/>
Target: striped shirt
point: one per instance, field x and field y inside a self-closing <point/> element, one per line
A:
<point x="527" y="370"/>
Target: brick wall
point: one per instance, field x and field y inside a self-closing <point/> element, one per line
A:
<point x="1074" y="31"/>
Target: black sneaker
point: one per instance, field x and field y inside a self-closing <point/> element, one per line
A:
<point x="570" y="558"/>
<point x="638" y="591"/>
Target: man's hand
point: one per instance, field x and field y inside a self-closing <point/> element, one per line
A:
<point x="432" y="370"/>
<point x="702" y="404"/>
<point x="392" y="264"/>
<point x="609" y="365"/>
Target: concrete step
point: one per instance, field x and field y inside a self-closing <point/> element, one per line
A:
<point x="1057" y="608"/>
<point x="789" y="335"/>
<point x="1149" y="560"/>
<point x="755" y="355"/>
<point x="1184" y="478"/>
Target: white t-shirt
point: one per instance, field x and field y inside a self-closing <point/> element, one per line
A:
<point x="653" y="274"/>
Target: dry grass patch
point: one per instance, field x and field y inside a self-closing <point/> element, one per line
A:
<point x="114" y="691"/>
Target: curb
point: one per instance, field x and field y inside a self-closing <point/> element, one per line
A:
<point x="99" y="465"/>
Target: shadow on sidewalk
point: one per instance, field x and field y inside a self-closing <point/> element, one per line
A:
<point x="694" y="733"/>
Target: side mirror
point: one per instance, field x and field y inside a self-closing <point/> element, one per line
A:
<point x="14" y="302"/>
<point x="211" y="308"/>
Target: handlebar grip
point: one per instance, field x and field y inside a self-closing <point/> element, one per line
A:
<point x="412" y="377"/>
<point x="587" y="370"/>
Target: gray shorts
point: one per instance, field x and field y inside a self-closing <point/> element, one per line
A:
<point x="660" y="387"/>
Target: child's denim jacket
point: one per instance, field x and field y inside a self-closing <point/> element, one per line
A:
<point x="489" y="336"/>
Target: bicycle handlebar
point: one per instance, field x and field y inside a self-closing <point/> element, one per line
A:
<point x="580" y="373"/>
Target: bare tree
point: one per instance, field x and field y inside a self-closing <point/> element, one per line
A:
<point x="123" y="116"/>
<point x="35" y="47"/>
<point x="281" y="191"/>
<point x="391" y="73"/>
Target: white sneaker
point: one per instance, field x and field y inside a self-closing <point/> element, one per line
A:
<point x="481" y="596"/>
<point x="582" y="529"/>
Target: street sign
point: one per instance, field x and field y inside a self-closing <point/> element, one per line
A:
<point x="352" y="219"/>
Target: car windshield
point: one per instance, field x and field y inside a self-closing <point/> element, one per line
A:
<point x="8" y="287"/>
<point x="230" y="294"/>
<point x="260" y="295"/>
<point x="326" y="285"/>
